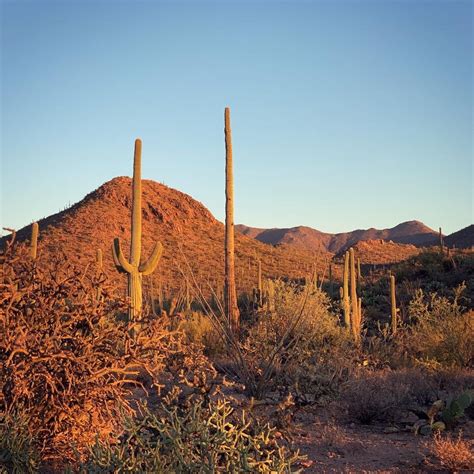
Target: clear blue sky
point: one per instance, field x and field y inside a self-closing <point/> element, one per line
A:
<point x="345" y="114"/>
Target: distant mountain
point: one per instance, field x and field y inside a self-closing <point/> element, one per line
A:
<point x="411" y="232"/>
<point x="462" y="239"/>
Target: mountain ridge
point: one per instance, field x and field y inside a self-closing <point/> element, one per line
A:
<point x="410" y="232"/>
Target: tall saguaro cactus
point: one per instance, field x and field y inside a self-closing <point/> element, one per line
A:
<point x="132" y="267"/>
<point x="345" y="293"/>
<point x="355" y="315"/>
<point x="393" y="304"/>
<point x="34" y="240"/>
<point x="230" y="295"/>
<point x="441" y="241"/>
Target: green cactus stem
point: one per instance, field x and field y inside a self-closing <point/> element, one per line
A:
<point x="230" y="294"/>
<point x="359" y="273"/>
<point x="393" y="304"/>
<point x="441" y="241"/>
<point x="355" y="322"/>
<point x="133" y="267"/>
<point x="345" y="299"/>
<point x="331" y="283"/>
<point x="34" y="240"/>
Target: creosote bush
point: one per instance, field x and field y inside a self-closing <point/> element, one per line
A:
<point x="387" y="396"/>
<point x="441" y="334"/>
<point x="314" y="352"/>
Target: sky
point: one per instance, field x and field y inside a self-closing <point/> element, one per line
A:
<point x="345" y="114"/>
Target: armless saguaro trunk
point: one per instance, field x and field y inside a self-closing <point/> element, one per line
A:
<point x="230" y="295"/>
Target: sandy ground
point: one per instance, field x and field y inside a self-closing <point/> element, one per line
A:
<point x="348" y="448"/>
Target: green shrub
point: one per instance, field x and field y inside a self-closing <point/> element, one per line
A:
<point x="315" y="351"/>
<point x="442" y="334"/>
<point x="197" y="439"/>
<point x="18" y="453"/>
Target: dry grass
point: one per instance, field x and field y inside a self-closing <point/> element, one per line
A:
<point x="453" y="453"/>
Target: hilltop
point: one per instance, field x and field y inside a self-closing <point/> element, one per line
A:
<point x="191" y="236"/>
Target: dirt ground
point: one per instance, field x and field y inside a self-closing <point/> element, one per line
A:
<point x="333" y="447"/>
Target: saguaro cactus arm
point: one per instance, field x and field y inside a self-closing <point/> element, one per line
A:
<point x="148" y="267"/>
<point x="119" y="259"/>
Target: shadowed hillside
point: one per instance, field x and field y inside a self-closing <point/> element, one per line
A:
<point x="463" y="239"/>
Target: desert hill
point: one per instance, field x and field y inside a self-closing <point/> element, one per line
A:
<point x="191" y="236"/>
<point x="462" y="239"/>
<point x="381" y="252"/>
<point x="411" y="232"/>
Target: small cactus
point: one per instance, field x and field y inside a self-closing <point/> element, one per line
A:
<point x="99" y="261"/>
<point x="393" y="304"/>
<point x="34" y="240"/>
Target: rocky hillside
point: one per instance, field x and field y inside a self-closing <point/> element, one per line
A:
<point x="192" y="237"/>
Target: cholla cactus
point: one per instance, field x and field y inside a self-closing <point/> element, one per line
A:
<point x="34" y="240"/>
<point x="133" y="267"/>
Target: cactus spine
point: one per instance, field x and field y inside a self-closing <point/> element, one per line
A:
<point x="355" y="316"/>
<point x="230" y="295"/>
<point x="132" y="267"/>
<point x="345" y="293"/>
<point x="393" y="303"/>
<point x="34" y="240"/>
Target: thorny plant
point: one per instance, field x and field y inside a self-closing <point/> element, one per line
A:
<point x="69" y="364"/>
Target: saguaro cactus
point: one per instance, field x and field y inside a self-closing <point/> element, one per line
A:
<point x="441" y="241"/>
<point x="230" y="295"/>
<point x="34" y="240"/>
<point x="393" y="303"/>
<point x="345" y="293"/>
<point x="132" y="267"/>
<point x="355" y="316"/>
<point x="99" y="261"/>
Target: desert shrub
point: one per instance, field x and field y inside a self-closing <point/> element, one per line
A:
<point x="388" y="395"/>
<point x="375" y="396"/>
<point x="198" y="439"/>
<point x="199" y="329"/>
<point x="455" y="454"/>
<point x="69" y="364"/>
<point x="299" y="345"/>
<point x="441" y="334"/>
<point x="17" y="445"/>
